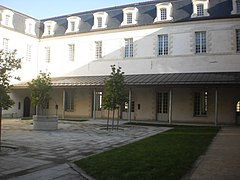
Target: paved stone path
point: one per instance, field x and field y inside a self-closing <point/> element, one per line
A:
<point x="222" y="160"/>
<point x="45" y="154"/>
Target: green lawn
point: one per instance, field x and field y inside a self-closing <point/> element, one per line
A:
<point x="168" y="155"/>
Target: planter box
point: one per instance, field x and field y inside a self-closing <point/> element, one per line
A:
<point x="45" y="123"/>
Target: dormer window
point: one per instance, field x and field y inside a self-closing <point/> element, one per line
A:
<point x="236" y="7"/>
<point x="49" y="27"/>
<point x="7" y="18"/>
<point x="30" y="26"/>
<point x="100" y="20"/>
<point x="164" y="12"/>
<point x="73" y="24"/>
<point x="200" y="8"/>
<point x="130" y="16"/>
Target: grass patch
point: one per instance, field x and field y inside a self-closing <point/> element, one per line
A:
<point x="168" y="155"/>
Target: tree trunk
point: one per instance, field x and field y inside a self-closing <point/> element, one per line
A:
<point x="118" y="119"/>
<point x="113" y="119"/>
<point x="108" y="120"/>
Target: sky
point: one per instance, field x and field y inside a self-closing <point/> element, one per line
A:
<point x="51" y="8"/>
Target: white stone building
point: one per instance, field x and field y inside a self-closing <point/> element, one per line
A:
<point x="181" y="60"/>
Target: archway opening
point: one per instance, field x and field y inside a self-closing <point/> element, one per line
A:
<point x="26" y="107"/>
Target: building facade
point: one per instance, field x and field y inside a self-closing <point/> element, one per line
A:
<point x="181" y="60"/>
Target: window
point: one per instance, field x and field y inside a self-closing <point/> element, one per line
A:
<point x="164" y="12"/>
<point x="47" y="54"/>
<point x="200" y="8"/>
<point x="73" y="24"/>
<point x="125" y="107"/>
<point x="238" y="107"/>
<point x="130" y="16"/>
<point x="49" y="27"/>
<point x="5" y="44"/>
<point x="98" y="51"/>
<point x="200" y="103"/>
<point x="200" y="42"/>
<point x="236" y="7"/>
<point x="128" y="47"/>
<point x="71" y="51"/>
<point x="100" y="20"/>
<point x="69" y="101"/>
<point x="163" y="44"/>
<point x="29" y="53"/>
<point x="99" y="101"/>
<point x="238" y="39"/>
<point x="7" y="18"/>
<point x="162" y="103"/>
<point x="30" y="26"/>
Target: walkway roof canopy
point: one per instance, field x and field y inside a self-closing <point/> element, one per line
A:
<point x="217" y="78"/>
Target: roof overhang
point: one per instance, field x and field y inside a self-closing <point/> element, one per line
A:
<point x="211" y="78"/>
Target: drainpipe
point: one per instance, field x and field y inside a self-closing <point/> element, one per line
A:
<point x="216" y="107"/>
<point x="129" y="104"/>
<point x="170" y="107"/>
<point x="94" y="104"/>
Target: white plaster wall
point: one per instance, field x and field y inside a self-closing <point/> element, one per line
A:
<point x="19" y="42"/>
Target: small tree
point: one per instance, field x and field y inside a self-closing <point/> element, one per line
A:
<point x="114" y="93"/>
<point x="8" y="64"/>
<point x="40" y="88"/>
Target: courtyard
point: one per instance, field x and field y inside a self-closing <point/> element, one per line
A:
<point x="48" y="154"/>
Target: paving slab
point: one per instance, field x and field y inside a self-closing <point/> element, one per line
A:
<point x="45" y="154"/>
<point x="222" y="159"/>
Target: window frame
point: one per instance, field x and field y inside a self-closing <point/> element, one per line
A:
<point x="167" y="7"/>
<point x="47" y="54"/>
<point x="200" y="104"/>
<point x="235" y="7"/>
<point x="6" y="44"/>
<point x="201" y="42"/>
<point x="99" y="24"/>
<point x="30" y="26"/>
<point x="71" y="52"/>
<point x="73" y="24"/>
<point x="134" y="16"/>
<point x="69" y="101"/>
<point x="7" y="18"/>
<point x="196" y="3"/>
<point x="29" y="52"/>
<point x="128" y="47"/>
<point x="163" y="45"/>
<point x="98" y="49"/>
<point x="237" y="40"/>
<point x="49" y="27"/>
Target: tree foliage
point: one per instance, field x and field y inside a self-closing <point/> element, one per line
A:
<point x="40" y="90"/>
<point x="114" y="92"/>
<point x="8" y="65"/>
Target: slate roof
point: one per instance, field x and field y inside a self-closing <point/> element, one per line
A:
<point x="182" y="11"/>
<point x="212" y="78"/>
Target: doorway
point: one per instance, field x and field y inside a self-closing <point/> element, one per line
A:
<point x="26" y="107"/>
<point x="162" y="106"/>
